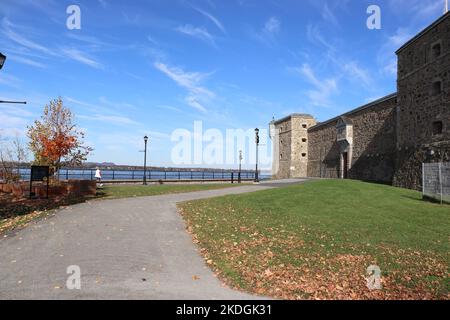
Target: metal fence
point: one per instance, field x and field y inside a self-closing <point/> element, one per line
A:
<point x="436" y="181"/>
<point x="151" y="175"/>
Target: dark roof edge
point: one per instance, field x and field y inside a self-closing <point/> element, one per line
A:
<point x="366" y="106"/>
<point x="294" y="115"/>
<point x="423" y="32"/>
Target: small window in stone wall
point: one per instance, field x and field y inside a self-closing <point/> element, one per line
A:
<point x="281" y="156"/>
<point x="304" y="126"/>
<point x="304" y="140"/>
<point x="303" y="155"/>
<point x="436" y="50"/>
<point x="437" y="128"/>
<point x="436" y="88"/>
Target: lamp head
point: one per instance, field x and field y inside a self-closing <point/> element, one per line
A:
<point x="2" y="60"/>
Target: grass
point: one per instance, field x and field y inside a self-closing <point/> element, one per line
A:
<point x="129" y="191"/>
<point x="316" y="240"/>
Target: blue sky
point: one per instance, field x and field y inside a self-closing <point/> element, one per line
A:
<point x="151" y="67"/>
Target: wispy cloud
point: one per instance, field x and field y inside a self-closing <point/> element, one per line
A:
<point x="82" y="57"/>
<point x="27" y="61"/>
<point x="387" y="58"/>
<point x="268" y="34"/>
<point x="421" y="9"/>
<point x="356" y="72"/>
<point x="198" y="95"/>
<point x="25" y="46"/>
<point x="212" y="18"/>
<point x="323" y="88"/>
<point x="314" y="35"/>
<point x="272" y="26"/>
<point x="21" y="40"/>
<point x="197" y="32"/>
<point x="109" y="119"/>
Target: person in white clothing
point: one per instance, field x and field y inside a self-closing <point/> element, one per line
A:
<point x="98" y="176"/>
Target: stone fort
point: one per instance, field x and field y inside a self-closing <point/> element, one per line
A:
<point x="386" y="140"/>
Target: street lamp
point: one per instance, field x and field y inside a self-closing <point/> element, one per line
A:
<point x="145" y="160"/>
<point x="240" y="166"/>
<point x="2" y="60"/>
<point x="257" y="147"/>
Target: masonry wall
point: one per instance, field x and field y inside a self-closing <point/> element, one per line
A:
<point x="419" y="108"/>
<point x="374" y="138"/>
<point x="373" y="145"/>
<point x="323" y="151"/>
<point x="293" y="146"/>
<point x="299" y="146"/>
<point x="284" y="155"/>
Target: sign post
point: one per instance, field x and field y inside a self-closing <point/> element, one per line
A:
<point x="39" y="173"/>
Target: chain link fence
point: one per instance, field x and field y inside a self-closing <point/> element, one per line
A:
<point x="436" y="182"/>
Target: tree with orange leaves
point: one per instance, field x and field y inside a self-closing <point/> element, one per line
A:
<point x="55" y="139"/>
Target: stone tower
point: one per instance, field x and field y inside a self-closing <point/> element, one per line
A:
<point x="290" y="145"/>
<point x="423" y="110"/>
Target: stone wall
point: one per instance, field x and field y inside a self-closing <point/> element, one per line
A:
<point x="324" y="155"/>
<point x="373" y="145"/>
<point x="284" y="155"/>
<point x="71" y="188"/>
<point x="293" y="145"/>
<point x="419" y="106"/>
<point x="299" y="146"/>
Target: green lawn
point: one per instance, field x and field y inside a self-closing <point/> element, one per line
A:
<point x="128" y="191"/>
<point x="316" y="241"/>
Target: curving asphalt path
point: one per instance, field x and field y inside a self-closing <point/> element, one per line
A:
<point x="134" y="248"/>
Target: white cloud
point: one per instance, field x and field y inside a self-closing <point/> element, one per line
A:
<point x="358" y="73"/>
<point x="272" y="26"/>
<point x="79" y="56"/>
<point x="267" y="35"/>
<point x="315" y="36"/>
<point x="387" y="59"/>
<point x="323" y="89"/>
<point x="212" y="18"/>
<point x="27" y="61"/>
<point x="19" y="39"/>
<point x="198" y="95"/>
<point x="196" y="32"/>
<point x="110" y="119"/>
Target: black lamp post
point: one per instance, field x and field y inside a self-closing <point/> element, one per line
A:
<point x="145" y="160"/>
<point x="240" y="166"/>
<point x="2" y="60"/>
<point x="257" y="147"/>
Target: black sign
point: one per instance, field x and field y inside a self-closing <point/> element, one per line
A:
<point x="39" y="173"/>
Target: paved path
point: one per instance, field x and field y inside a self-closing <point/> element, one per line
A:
<point x="126" y="249"/>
